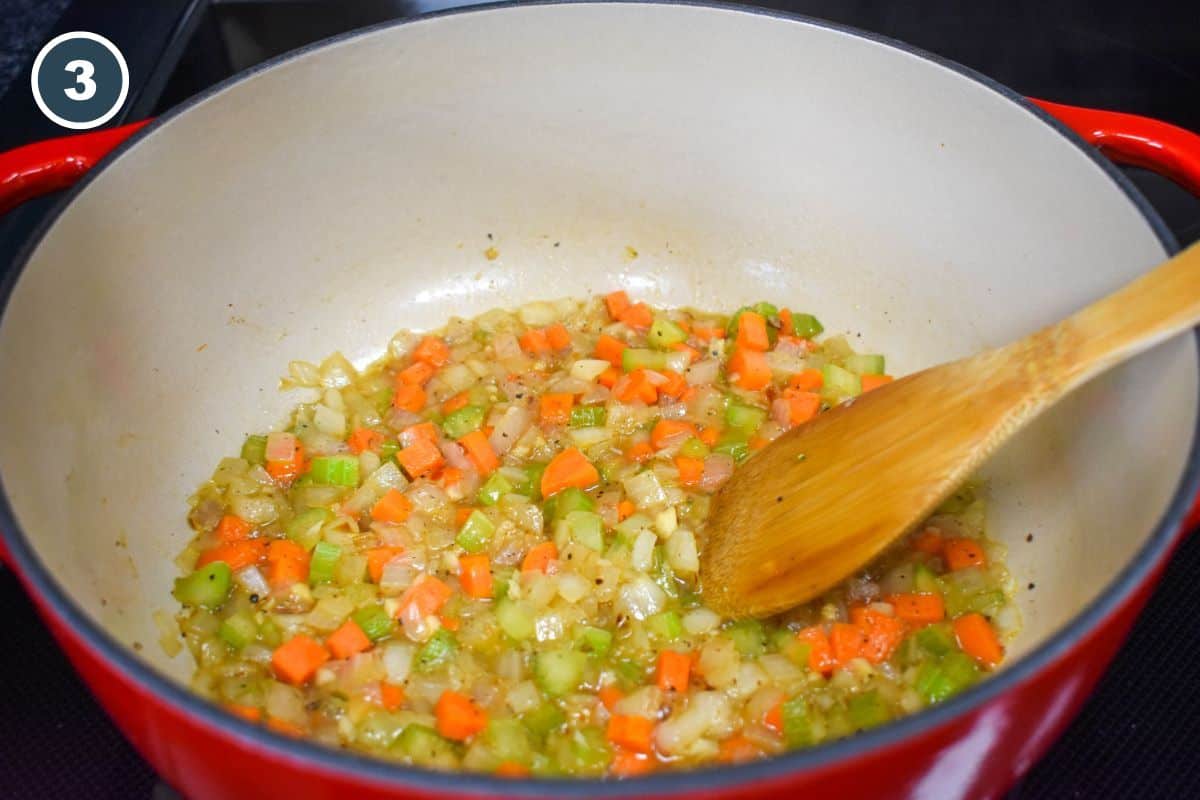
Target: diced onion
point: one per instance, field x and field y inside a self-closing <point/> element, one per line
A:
<point x="252" y="580"/>
<point x="642" y="555"/>
<point x="681" y="552"/>
<point x="397" y="661"/>
<point x="700" y="620"/>
<point x="329" y="421"/>
<point x="588" y="369"/>
<point x="703" y="372"/>
<point x="642" y="598"/>
<point x="644" y="490"/>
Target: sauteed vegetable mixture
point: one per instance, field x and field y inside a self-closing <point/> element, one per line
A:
<point x="482" y="553"/>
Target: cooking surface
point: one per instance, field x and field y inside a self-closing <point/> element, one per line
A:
<point x="1132" y="740"/>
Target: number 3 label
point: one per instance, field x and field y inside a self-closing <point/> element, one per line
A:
<point x="83" y="77"/>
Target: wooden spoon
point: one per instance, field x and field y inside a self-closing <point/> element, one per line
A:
<point x="818" y="503"/>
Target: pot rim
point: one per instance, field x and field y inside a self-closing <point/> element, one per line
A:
<point x="351" y="766"/>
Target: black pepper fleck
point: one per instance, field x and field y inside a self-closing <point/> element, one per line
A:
<point x="254" y="598"/>
<point x="1032" y="586"/>
<point x="1029" y="537"/>
<point x="779" y="499"/>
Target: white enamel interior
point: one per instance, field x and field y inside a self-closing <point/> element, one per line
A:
<point x="327" y="202"/>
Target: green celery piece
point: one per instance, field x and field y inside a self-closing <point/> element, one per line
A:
<point x="388" y="450"/>
<point x="324" y="560"/>
<point x="238" y="630"/>
<point x="693" y="448"/>
<point x="542" y="766"/>
<point x="588" y="416"/>
<point x="924" y="580"/>
<point x="559" y="672"/>
<point x="379" y="730"/>
<point x="270" y="634"/>
<point x="743" y="418"/>
<point x="335" y="470"/>
<point x="508" y="740"/>
<point x="305" y="528"/>
<point x="748" y="637"/>
<point x="437" y="651"/>
<point x="933" y="684"/>
<point x="207" y="586"/>
<point x="531" y="487"/>
<point x="254" y="449"/>
<point x="374" y="621"/>
<point x="587" y="528"/>
<point x="790" y="646"/>
<point x="664" y="333"/>
<point x="797" y="727"/>
<point x="544" y="719"/>
<point x="458" y="424"/>
<point x="863" y="364"/>
<point x="868" y="710"/>
<point x="666" y="626"/>
<point x="381" y="401"/>
<point x="937" y="639"/>
<point x="475" y="533"/>
<point x="733" y="444"/>
<point x="495" y="487"/>
<point x="588" y="752"/>
<point x="570" y="499"/>
<point x="630" y="673"/>
<point x="806" y="326"/>
<point x="425" y="747"/>
<point x="840" y="382"/>
<point x="595" y="640"/>
<point x="516" y="619"/>
<point x="960" y="669"/>
<point x="633" y="358"/>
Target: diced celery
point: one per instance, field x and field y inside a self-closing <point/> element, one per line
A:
<point x="597" y="641"/>
<point x="960" y="669"/>
<point x="238" y="630"/>
<point x="508" y="740"/>
<point x="423" y="745"/>
<point x="937" y="680"/>
<point x="864" y="364"/>
<point x="924" y="580"/>
<point x="335" y="470"/>
<point x="544" y="719"/>
<point x="324" y="559"/>
<point x="570" y="499"/>
<point x="797" y="727"/>
<point x="458" y="424"/>
<point x="379" y="730"/>
<point x="840" y="382"/>
<point x="630" y="673"/>
<point x="531" y="487"/>
<point x="791" y="647"/>
<point x="305" y="528"/>
<point x="516" y="619"/>
<point x="588" y="416"/>
<point x="743" y="418"/>
<point x="666" y="626"/>
<point x="748" y="637"/>
<point x="937" y="639"/>
<point x="632" y="525"/>
<point x="207" y="586"/>
<point x="583" y="751"/>
<point x="254" y="449"/>
<point x="437" y="651"/>
<point x="495" y="487"/>
<point x="270" y="634"/>
<point x="733" y="444"/>
<point x="693" y="448"/>
<point x="806" y="326"/>
<point x="475" y="533"/>
<point x="587" y="528"/>
<point x="867" y="710"/>
<point x="388" y="449"/>
<point x="640" y="358"/>
<point x="479" y="395"/>
<point x="664" y="333"/>
<point x="374" y="621"/>
<point x="558" y="672"/>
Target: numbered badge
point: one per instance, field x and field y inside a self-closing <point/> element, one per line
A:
<point x="80" y="80"/>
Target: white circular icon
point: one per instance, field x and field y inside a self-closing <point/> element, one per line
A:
<point x="80" y="80"/>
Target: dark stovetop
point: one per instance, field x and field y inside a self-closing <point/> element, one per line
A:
<point x="1135" y="739"/>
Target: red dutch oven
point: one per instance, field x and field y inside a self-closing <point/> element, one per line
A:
<point x="325" y="199"/>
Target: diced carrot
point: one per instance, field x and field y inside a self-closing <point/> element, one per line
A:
<point x="617" y="303"/>
<point x="807" y="380"/>
<point x="690" y="469"/>
<point x="847" y="642"/>
<point x="610" y="695"/>
<point x="511" y="769"/>
<point x="460" y="400"/>
<point x="710" y="435"/>
<point x="480" y="451"/>
<point x="539" y="557"/>
<point x="638" y="316"/>
<point x="629" y="764"/>
<point x="555" y="408"/>
<point x="738" y="749"/>
<point x="420" y="458"/>
<point x="363" y="439"/>
<point x="692" y="353"/>
<point x="918" y="608"/>
<point x="417" y="373"/>
<point x="462" y="514"/>
<point x="631" y="732"/>
<point x="475" y="575"/>
<point x="609" y="377"/>
<point x="635" y="386"/>
<point x="458" y="717"/>
<point x="534" y="341"/>
<point x="248" y="713"/>
<point x="820" y="651"/>
<point x="393" y="507"/>
<point x="238" y="555"/>
<point x="883" y="633"/>
<point x="773" y="719"/>
<point x="752" y="332"/>
<point x="287" y="563"/>
<point x="705" y="334"/>
<point x="347" y="640"/>
<point x="232" y="528"/>
<point x="378" y="558"/>
<point x="758" y="442"/>
<point x="675" y="386"/>
<point x="673" y="671"/>
<point x="433" y="351"/>
<point x="297" y="659"/>
<point x="286" y="471"/>
<point x="451" y="476"/>
<point x="962" y="553"/>
<point x="751" y="368"/>
<point x="802" y="406"/>
<point x="670" y="431"/>
<point x="929" y="541"/>
<point x="427" y="595"/>
<point x="449" y="623"/>
<point x="568" y="468"/>
<point x="286" y="728"/>
<point x="624" y="509"/>
<point x="787" y="326"/>
<point x="558" y="337"/>
<point x="409" y="397"/>
<point x="391" y="696"/>
<point x="610" y="349"/>
<point x="870" y="382"/>
<point x="978" y="640"/>
<point x="422" y="431"/>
